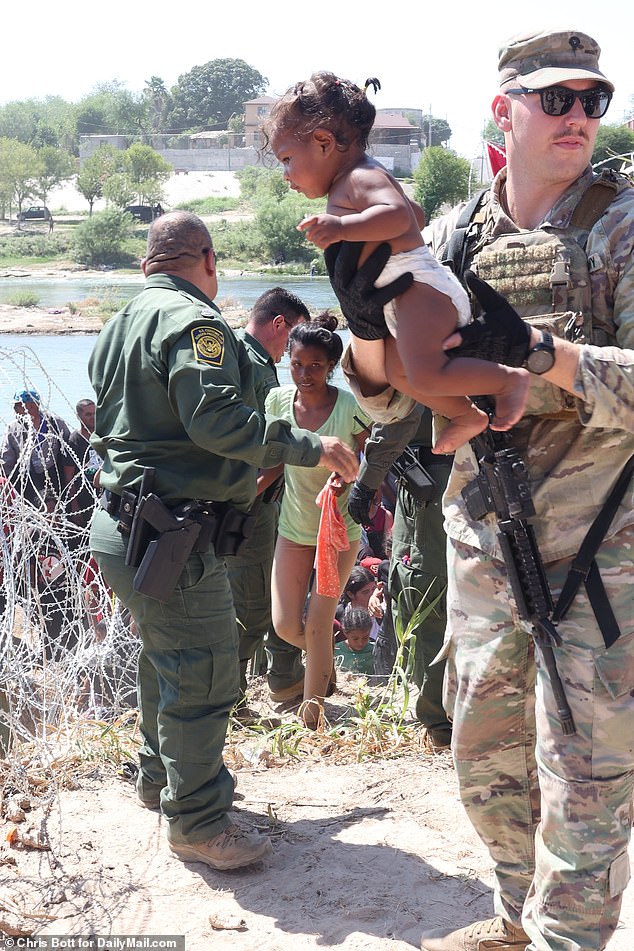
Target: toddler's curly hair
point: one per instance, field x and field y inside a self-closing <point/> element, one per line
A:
<point x="323" y="102"/>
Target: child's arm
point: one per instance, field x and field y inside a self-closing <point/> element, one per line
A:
<point x="385" y="214"/>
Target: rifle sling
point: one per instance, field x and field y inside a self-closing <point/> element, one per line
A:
<point x="584" y="567"/>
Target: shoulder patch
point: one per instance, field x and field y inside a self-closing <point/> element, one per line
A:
<point x="209" y="345"/>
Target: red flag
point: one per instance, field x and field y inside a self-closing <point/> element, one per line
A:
<point x="497" y="157"/>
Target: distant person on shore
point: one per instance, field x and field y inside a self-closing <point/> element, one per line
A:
<point x="319" y="131"/>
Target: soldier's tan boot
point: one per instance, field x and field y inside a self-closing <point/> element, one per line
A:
<point x="494" y="934"/>
<point x="232" y="848"/>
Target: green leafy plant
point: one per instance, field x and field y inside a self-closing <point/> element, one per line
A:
<point x="212" y="205"/>
<point x="24" y="299"/>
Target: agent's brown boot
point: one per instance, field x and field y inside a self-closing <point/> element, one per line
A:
<point x="232" y="848"/>
<point x="494" y="934"/>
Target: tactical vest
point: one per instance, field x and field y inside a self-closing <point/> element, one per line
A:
<point x="544" y="274"/>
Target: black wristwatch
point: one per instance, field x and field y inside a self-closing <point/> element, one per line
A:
<point x="541" y="357"/>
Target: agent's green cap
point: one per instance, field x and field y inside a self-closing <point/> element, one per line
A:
<point x="537" y="60"/>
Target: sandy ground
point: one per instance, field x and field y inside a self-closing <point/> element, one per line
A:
<point x="366" y="855"/>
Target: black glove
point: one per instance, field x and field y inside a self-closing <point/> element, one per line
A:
<point x="499" y="334"/>
<point x="359" y="502"/>
<point x="361" y="302"/>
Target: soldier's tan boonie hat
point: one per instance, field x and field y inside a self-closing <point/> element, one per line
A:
<point x="537" y="60"/>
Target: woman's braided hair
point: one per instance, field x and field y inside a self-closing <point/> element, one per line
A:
<point x="324" y="102"/>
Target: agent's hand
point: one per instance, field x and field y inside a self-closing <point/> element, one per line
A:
<point x="361" y="302"/>
<point x="499" y="334"/>
<point x="322" y="230"/>
<point x="359" y="502"/>
<point x="335" y="454"/>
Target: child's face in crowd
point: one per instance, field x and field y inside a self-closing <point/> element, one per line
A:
<point x="357" y="639"/>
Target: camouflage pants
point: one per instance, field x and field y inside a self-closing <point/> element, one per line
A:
<point x="553" y="810"/>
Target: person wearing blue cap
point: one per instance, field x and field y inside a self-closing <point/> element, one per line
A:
<point x="34" y="455"/>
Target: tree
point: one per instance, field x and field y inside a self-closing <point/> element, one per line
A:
<point x="209" y="95"/>
<point x="441" y="176"/>
<point x="158" y="102"/>
<point x="118" y="190"/>
<point x="95" y="171"/>
<point x="491" y="133"/>
<point x="58" y="166"/>
<point x="613" y="140"/>
<point x="19" y="169"/>
<point x="440" y="130"/>
<point x="39" y="122"/>
<point x="111" y="110"/>
<point x="277" y="222"/>
<point x="101" y="239"/>
<point x="146" y="171"/>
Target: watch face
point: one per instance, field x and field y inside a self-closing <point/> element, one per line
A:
<point x="540" y="360"/>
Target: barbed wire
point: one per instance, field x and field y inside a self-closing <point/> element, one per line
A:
<point x="68" y="648"/>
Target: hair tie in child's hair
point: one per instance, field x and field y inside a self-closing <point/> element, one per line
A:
<point x="372" y="81"/>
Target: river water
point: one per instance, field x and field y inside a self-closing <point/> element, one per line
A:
<point x="57" y="364"/>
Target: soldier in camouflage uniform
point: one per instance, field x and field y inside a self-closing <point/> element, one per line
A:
<point x="265" y="339"/>
<point x="554" y="810"/>
<point x="175" y="393"/>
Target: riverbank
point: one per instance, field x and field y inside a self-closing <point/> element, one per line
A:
<point x="81" y="320"/>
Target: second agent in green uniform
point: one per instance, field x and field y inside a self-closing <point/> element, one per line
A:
<point x="265" y="339"/>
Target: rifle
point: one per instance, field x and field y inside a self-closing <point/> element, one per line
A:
<point x="411" y="472"/>
<point x="502" y="487"/>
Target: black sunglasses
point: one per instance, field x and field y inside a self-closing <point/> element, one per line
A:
<point x="558" y="100"/>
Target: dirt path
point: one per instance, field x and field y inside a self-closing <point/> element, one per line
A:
<point x="366" y="855"/>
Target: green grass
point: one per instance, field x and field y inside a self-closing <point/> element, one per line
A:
<point x="23" y="299"/>
<point x="212" y="205"/>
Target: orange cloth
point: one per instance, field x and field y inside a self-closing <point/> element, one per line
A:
<point x="332" y="538"/>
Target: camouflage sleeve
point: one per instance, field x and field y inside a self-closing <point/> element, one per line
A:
<point x="387" y="442"/>
<point x="605" y="378"/>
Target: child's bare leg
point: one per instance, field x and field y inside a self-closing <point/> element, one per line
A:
<point x="368" y="357"/>
<point x="424" y="317"/>
<point x="465" y="419"/>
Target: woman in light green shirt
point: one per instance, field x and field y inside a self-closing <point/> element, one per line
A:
<point x="311" y="402"/>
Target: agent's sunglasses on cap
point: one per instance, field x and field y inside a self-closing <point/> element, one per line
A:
<point x="558" y="100"/>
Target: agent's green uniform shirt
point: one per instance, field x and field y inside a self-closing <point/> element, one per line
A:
<point x="190" y="408"/>
<point x="264" y="371"/>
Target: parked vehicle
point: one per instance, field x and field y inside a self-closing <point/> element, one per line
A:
<point x="144" y="213"/>
<point x="35" y="213"/>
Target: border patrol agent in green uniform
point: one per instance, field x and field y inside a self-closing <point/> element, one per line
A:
<point x="418" y="562"/>
<point x="265" y="339"/>
<point x="174" y="391"/>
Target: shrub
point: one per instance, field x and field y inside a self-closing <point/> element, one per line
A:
<point x="24" y="299"/>
<point x="34" y="246"/>
<point x="212" y="205"/>
<point x="102" y="238"/>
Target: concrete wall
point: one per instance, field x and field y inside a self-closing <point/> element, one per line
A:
<point x="204" y="158"/>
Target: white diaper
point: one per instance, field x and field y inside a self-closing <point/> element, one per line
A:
<point x="426" y="270"/>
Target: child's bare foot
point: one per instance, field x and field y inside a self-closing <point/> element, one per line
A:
<point x="510" y="402"/>
<point x="461" y="429"/>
